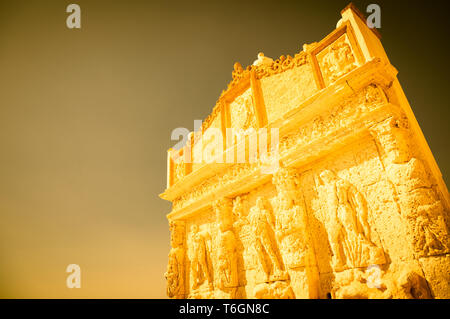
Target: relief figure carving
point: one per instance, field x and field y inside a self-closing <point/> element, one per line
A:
<point x="418" y="201"/>
<point x="421" y="207"/>
<point x="337" y="60"/>
<point x="200" y="269"/>
<point x="176" y="264"/>
<point x="349" y="231"/>
<point x="227" y="267"/>
<point x="290" y="220"/>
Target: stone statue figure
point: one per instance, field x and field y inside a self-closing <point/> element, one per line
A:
<point x="291" y="219"/>
<point x="199" y="262"/>
<point x="227" y="271"/>
<point x="263" y="60"/>
<point x="422" y="208"/>
<point x="175" y="267"/>
<point x="349" y="231"/>
<point x="262" y="223"/>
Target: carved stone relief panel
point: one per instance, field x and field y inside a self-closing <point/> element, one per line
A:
<point x="226" y="256"/>
<point x="349" y="232"/>
<point x="179" y="169"/>
<point x="262" y="268"/>
<point x="242" y="111"/>
<point x="175" y="274"/>
<point x="356" y="207"/>
<point x="336" y="59"/>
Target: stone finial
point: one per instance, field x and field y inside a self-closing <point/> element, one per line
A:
<point x="262" y="60"/>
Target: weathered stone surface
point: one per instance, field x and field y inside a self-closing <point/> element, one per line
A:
<point x="353" y="204"/>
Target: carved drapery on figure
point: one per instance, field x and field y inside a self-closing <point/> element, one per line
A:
<point x="238" y="214"/>
<point x="226" y="257"/>
<point x="417" y="198"/>
<point x="200" y="268"/>
<point x="262" y="223"/>
<point x="291" y="219"/>
<point x="348" y="230"/>
<point x="175" y="267"/>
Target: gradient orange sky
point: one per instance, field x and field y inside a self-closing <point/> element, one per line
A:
<point x="86" y="117"/>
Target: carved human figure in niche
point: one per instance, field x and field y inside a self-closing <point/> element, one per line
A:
<point x="239" y="216"/>
<point x="179" y="170"/>
<point x="262" y="223"/>
<point x="263" y="60"/>
<point x="199" y="261"/>
<point x="421" y="207"/>
<point x="175" y="266"/>
<point x="338" y="60"/>
<point x="227" y="271"/>
<point x="417" y="198"/>
<point x="349" y="231"/>
<point x="290" y="220"/>
<point x="275" y="290"/>
<point x="237" y="70"/>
